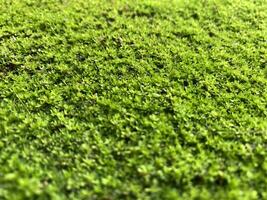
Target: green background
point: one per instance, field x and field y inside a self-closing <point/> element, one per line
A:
<point x="133" y="99"/>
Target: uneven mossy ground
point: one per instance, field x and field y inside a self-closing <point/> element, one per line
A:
<point x="133" y="99"/>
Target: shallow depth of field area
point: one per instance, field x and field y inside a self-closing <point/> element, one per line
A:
<point x="133" y="99"/>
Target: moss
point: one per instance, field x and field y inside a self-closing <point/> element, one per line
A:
<point x="133" y="99"/>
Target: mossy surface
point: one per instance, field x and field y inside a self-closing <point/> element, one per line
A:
<point x="133" y="99"/>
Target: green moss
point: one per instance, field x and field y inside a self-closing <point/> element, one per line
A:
<point x="133" y="99"/>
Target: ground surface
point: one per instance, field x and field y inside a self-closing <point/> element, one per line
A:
<point x="133" y="99"/>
